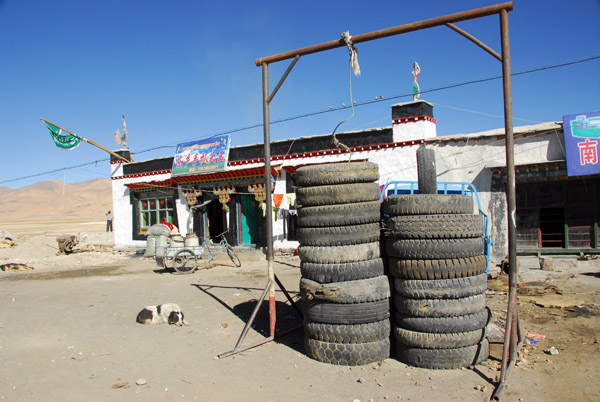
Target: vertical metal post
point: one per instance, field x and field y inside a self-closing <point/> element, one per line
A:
<point x="512" y="335"/>
<point x="267" y="151"/>
<point x="565" y="212"/>
<point x="594" y="234"/>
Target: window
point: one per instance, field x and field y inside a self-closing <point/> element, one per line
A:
<point x="154" y="210"/>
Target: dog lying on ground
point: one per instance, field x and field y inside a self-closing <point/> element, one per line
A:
<point x="169" y="313"/>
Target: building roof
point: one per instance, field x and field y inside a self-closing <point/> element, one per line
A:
<point x="291" y="153"/>
<point x="530" y="129"/>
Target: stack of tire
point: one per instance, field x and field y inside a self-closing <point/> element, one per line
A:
<point x="435" y="255"/>
<point x="345" y="294"/>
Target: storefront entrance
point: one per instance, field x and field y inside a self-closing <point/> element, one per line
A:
<point x="560" y="215"/>
<point x="209" y="220"/>
<point x="215" y="218"/>
<point x="248" y="220"/>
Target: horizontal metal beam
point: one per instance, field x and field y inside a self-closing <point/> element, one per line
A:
<point x="383" y="33"/>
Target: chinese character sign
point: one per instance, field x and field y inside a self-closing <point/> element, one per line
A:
<point x="582" y="137"/>
<point x="198" y="157"/>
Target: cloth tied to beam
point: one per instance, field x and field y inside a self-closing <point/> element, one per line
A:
<point x="352" y="51"/>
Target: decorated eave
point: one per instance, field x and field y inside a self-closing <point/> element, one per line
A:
<point x="534" y="171"/>
<point x="242" y="170"/>
<point x="207" y="179"/>
<point x="404" y="120"/>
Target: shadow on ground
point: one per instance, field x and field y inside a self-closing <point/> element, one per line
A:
<point x="288" y="327"/>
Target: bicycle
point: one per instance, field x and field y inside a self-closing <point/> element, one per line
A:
<point x="185" y="260"/>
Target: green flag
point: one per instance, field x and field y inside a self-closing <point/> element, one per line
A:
<point x="63" y="141"/>
<point x="416" y="89"/>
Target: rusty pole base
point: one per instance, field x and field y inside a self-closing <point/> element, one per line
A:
<point x="497" y="394"/>
<point x="238" y="348"/>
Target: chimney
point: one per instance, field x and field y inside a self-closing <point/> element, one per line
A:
<point x="125" y="153"/>
<point x="413" y="121"/>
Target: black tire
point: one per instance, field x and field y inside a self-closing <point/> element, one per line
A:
<point x="339" y="254"/>
<point x="443" y="359"/>
<point x="430" y="340"/>
<point x="338" y="235"/>
<point x="185" y="261"/>
<point x="441" y="288"/>
<point x="427" y="172"/>
<point x="440" y="226"/>
<point x="339" y="215"/>
<point x="361" y="291"/>
<point x="415" y="249"/>
<point x="336" y="173"/>
<point x="233" y="256"/>
<point x="347" y="354"/>
<point x="437" y="269"/>
<point x="427" y="204"/>
<point x="351" y="271"/>
<point x="441" y="325"/>
<point x="440" y="307"/>
<point x="336" y="313"/>
<point x="337" y="194"/>
<point x="340" y="333"/>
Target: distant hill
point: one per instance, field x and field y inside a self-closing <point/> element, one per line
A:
<point x="5" y="189"/>
<point x="55" y="199"/>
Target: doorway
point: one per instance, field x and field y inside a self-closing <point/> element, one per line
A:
<point x="552" y="227"/>
<point x="249" y="220"/>
<point x="215" y="220"/>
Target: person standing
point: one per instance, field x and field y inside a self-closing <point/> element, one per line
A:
<point x="109" y="219"/>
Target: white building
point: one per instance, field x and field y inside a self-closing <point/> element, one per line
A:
<point x="555" y="213"/>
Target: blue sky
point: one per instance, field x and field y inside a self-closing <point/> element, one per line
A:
<point x="186" y="70"/>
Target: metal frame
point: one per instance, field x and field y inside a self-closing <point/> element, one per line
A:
<point x="513" y="337"/>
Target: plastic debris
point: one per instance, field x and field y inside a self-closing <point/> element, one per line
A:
<point x="535" y="336"/>
<point x="551" y="351"/>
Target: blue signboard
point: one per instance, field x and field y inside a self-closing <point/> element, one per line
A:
<point x="198" y="157"/>
<point x="582" y="137"/>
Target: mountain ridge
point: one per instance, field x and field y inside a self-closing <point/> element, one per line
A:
<point x="54" y="199"/>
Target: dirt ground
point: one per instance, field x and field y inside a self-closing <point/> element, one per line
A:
<point x="68" y="333"/>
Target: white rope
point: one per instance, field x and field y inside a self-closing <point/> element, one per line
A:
<point x="352" y="67"/>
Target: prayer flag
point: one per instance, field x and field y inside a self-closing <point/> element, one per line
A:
<point x="416" y="89"/>
<point x="124" y="132"/>
<point x="63" y="141"/>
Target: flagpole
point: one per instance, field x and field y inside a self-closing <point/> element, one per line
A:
<point x="89" y="142"/>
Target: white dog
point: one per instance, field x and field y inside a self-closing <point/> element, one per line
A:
<point x="169" y="313"/>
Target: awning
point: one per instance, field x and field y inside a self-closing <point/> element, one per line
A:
<point x="226" y="177"/>
<point x="534" y="171"/>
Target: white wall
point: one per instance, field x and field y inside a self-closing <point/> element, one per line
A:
<point x="416" y="130"/>
<point x="122" y="208"/>
<point x="184" y="225"/>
